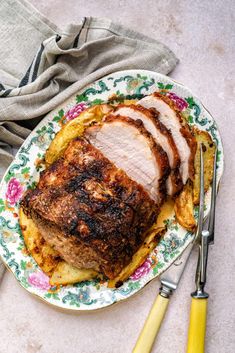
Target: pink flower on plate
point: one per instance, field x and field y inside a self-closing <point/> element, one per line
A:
<point x="75" y="111"/>
<point x="39" y="280"/>
<point x="14" y="191"/>
<point x="180" y="102"/>
<point x="142" y="270"/>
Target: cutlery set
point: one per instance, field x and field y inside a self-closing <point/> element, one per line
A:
<point x="204" y="236"/>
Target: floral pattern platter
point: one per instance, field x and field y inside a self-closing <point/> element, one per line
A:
<point x="24" y="171"/>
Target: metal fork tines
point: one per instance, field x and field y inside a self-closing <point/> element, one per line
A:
<point x="205" y="234"/>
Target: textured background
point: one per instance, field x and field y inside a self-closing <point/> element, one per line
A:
<point x="202" y="34"/>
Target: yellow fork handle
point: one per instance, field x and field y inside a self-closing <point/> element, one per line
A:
<point x="152" y="325"/>
<point x="197" y="325"/>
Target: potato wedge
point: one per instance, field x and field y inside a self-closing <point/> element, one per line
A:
<point x="189" y="197"/>
<point x="184" y="207"/>
<point x="67" y="274"/>
<point x="130" y="101"/>
<point x="45" y="256"/>
<point x="209" y="152"/>
<point x="73" y="129"/>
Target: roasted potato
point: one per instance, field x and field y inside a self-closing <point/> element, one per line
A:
<point x="67" y="274"/>
<point x="73" y="129"/>
<point x="184" y="203"/>
<point x="45" y="256"/>
<point x="130" y="101"/>
<point x="184" y="207"/>
<point x="209" y="153"/>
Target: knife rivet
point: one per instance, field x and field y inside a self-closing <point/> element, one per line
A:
<point x="165" y="292"/>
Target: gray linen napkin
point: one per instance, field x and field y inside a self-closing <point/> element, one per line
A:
<point x="65" y="61"/>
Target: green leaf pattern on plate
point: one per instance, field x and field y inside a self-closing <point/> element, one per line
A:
<point x="94" y="294"/>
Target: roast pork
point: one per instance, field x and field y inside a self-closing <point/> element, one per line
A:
<point x="162" y="136"/>
<point x="183" y="137"/>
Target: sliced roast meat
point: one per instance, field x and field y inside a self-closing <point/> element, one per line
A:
<point x="131" y="147"/>
<point x="90" y="211"/>
<point x="171" y="117"/>
<point x="162" y="136"/>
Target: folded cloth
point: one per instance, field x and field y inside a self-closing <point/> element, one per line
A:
<point x="65" y="61"/>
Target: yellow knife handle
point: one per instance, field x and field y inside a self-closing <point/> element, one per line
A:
<point x="152" y="325"/>
<point x="197" y="325"/>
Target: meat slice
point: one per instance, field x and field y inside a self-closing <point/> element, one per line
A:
<point x="162" y="136"/>
<point x="90" y="211"/>
<point x="171" y="117"/>
<point x="132" y="148"/>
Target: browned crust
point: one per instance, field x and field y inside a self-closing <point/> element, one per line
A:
<point x="185" y="131"/>
<point x="176" y="181"/>
<point x="49" y="231"/>
<point x="139" y="108"/>
<point x="158" y="152"/>
<point x="193" y="147"/>
<point x="175" y="176"/>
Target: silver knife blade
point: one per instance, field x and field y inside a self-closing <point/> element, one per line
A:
<point x="171" y="277"/>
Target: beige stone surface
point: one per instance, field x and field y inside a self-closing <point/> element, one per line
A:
<point x="202" y="34"/>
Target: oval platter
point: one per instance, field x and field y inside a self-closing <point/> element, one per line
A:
<point x="24" y="172"/>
